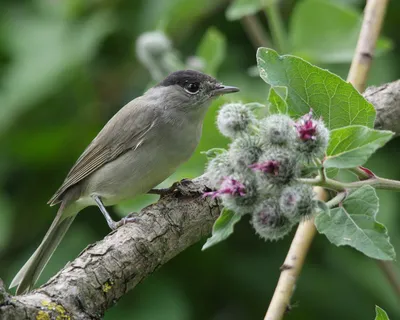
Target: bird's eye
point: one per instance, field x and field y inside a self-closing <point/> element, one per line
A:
<point x="192" y="87"/>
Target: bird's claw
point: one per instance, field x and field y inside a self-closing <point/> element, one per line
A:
<point x="128" y="219"/>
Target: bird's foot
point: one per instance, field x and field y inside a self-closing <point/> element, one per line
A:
<point x="128" y="219"/>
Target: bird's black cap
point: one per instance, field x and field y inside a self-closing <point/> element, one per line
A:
<point x="186" y="76"/>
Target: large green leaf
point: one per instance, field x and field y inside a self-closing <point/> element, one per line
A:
<point x="351" y="146"/>
<point x="240" y="8"/>
<point x="277" y="103"/>
<point x="223" y="227"/>
<point x="308" y="86"/>
<point x="354" y="224"/>
<point x="380" y="314"/>
<point x="327" y="32"/>
<point x="212" y="49"/>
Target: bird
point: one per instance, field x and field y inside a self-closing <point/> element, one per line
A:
<point x="137" y="149"/>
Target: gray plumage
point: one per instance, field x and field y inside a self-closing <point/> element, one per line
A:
<point x="136" y="150"/>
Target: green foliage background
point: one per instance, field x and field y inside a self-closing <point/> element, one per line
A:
<point x="67" y="66"/>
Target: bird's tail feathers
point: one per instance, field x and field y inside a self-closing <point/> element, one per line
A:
<point x="30" y="272"/>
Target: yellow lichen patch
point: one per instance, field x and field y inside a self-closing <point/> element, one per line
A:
<point x="47" y="304"/>
<point x="60" y="312"/>
<point x="60" y="309"/>
<point x="107" y="286"/>
<point x="42" y="315"/>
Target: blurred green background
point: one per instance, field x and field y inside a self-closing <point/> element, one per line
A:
<point x="67" y="66"/>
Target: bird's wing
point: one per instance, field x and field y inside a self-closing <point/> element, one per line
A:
<point x="125" y="131"/>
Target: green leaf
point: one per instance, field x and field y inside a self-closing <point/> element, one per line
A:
<point x="331" y="172"/>
<point x="351" y="146"/>
<point x="354" y="224"/>
<point x="212" y="49"/>
<point x="222" y="228"/>
<point x="381" y="314"/>
<point x="308" y="86"/>
<point x="322" y="207"/>
<point x="241" y="8"/>
<point x="212" y="153"/>
<point x="278" y="103"/>
<point x="336" y="41"/>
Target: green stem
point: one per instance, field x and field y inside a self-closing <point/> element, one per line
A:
<point x="255" y="31"/>
<point x="336" y="200"/>
<point x="327" y="183"/>
<point x="377" y="182"/>
<point x="276" y="26"/>
<point x="361" y="174"/>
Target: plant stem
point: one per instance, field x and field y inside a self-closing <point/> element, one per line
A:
<point x="255" y="31"/>
<point x="336" y="200"/>
<point x="390" y="273"/>
<point x="278" y="33"/>
<point x="377" y="182"/>
<point x="362" y="174"/>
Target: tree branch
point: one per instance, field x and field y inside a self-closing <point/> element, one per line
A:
<point x="106" y="270"/>
<point x="386" y="99"/>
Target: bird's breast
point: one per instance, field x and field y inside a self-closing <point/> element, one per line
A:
<point x="144" y="167"/>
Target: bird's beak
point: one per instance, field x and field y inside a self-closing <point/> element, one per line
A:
<point x="221" y="89"/>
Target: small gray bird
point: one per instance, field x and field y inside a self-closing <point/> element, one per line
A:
<point x="136" y="150"/>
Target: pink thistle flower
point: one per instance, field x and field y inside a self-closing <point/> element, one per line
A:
<point x="307" y="127"/>
<point x="229" y="186"/>
<point x="270" y="166"/>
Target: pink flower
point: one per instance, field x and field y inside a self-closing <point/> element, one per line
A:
<point x="270" y="166"/>
<point x="228" y="186"/>
<point x="306" y="127"/>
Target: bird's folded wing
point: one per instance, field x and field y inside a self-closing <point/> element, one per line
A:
<point x="125" y="131"/>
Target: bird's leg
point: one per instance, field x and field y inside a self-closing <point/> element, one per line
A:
<point x="111" y="223"/>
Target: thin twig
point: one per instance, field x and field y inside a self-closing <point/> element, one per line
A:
<point x="291" y="268"/>
<point x="374" y="13"/>
<point x="376" y="182"/>
<point x="370" y="30"/>
<point x="255" y="31"/>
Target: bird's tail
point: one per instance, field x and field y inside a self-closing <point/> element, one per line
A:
<point x="30" y="272"/>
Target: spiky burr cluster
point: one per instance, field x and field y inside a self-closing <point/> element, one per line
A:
<point x="259" y="173"/>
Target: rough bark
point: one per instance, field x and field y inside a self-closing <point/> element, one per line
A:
<point x="86" y="287"/>
<point x="386" y="99"/>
